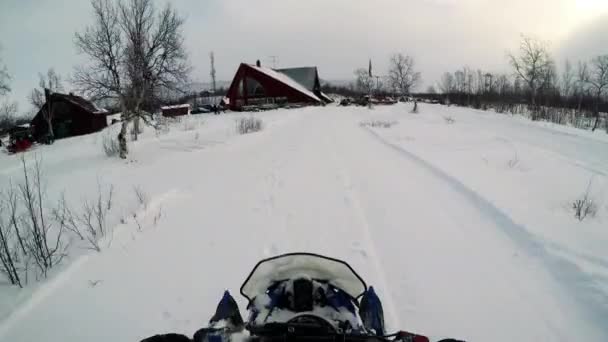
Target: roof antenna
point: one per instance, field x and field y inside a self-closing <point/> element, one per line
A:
<point x="274" y="60"/>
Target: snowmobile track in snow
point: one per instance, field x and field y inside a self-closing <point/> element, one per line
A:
<point x="576" y="283"/>
<point x="368" y="239"/>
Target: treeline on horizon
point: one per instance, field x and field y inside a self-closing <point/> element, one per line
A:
<point x="576" y="94"/>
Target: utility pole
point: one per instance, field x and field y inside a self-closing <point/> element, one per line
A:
<point x="212" y="71"/>
<point x="371" y="79"/>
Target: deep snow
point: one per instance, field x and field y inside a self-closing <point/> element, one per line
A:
<point x="465" y="228"/>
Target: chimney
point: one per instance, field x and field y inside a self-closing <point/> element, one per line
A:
<point x="258" y="64"/>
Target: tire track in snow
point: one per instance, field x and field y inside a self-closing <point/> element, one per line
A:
<point x="593" y="303"/>
<point x="352" y="196"/>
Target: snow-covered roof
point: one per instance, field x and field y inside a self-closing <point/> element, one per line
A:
<point x="80" y="101"/>
<point x="283" y="78"/>
<point x="185" y="105"/>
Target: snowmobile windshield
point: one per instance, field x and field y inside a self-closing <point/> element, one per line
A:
<point x="302" y="265"/>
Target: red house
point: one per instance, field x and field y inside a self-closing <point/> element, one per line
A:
<point x="256" y="85"/>
<point x="71" y="115"/>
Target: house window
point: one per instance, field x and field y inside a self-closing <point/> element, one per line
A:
<point x="254" y="88"/>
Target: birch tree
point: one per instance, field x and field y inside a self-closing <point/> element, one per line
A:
<point x="135" y="51"/>
<point x="533" y="64"/>
<point x="568" y="79"/>
<point x="402" y="75"/>
<point x="8" y="109"/>
<point x="364" y="82"/>
<point x="598" y="81"/>
<point x="446" y="85"/>
<point x="40" y="97"/>
<point x="4" y="78"/>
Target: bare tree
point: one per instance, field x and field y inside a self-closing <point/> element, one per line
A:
<point x="568" y="79"/>
<point x="598" y="80"/>
<point x="401" y="73"/>
<point x="460" y="80"/>
<point x="549" y="78"/>
<point x="134" y="53"/>
<point x="480" y="84"/>
<point x="8" y="110"/>
<point x="533" y="64"/>
<point x="446" y="85"/>
<point x="582" y="77"/>
<point x="364" y="82"/>
<point x="51" y="81"/>
<point x="4" y="78"/>
<point x="503" y="84"/>
<point x="40" y="98"/>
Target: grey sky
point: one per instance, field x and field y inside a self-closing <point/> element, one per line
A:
<point x="336" y="35"/>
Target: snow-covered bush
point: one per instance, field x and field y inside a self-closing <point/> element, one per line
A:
<point x="30" y="241"/>
<point x="248" y="125"/>
<point x="35" y="236"/>
<point x="379" y="123"/>
<point x="449" y="120"/>
<point x="110" y="144"/>
<point x="90" y="225"/>
<point x="585" y="205"/>
<point x="142" y="196"/>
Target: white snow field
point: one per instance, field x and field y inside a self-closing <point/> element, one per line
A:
<point x="465" y="227"/>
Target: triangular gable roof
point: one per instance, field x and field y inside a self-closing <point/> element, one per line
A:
<point x="285" y="79"/>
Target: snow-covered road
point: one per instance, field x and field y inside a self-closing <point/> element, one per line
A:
<point x="446" y="261"/>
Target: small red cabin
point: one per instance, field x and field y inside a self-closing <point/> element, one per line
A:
<point x="176" y="110"/>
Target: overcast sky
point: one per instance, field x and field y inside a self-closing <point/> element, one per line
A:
<point x="338" y="36"/>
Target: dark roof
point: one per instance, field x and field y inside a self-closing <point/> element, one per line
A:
<point x="284" y="78"/>
<point x="306" y="76"/>
<point x="79" y="101"/>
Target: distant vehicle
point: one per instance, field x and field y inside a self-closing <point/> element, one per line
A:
<point x="208" y="108"/>
<point x="201" y="110"/>
<point x="345" y="102"/>
<point x="20" y="139"/>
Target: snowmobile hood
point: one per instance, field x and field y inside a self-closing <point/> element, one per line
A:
<point x="302" y="265"/>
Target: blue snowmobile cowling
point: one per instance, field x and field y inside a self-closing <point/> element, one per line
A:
<point x="300" y="297"/>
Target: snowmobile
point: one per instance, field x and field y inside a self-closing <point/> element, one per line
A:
<point x="300" y="297"/>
